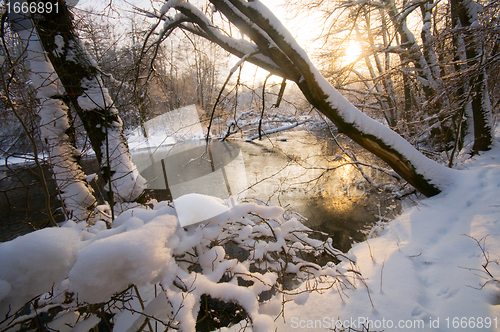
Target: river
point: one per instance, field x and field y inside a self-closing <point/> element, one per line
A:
<point x="286" y="169"/>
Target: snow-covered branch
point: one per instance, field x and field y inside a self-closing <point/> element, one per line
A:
<point x="201" y="25"/>
<point x="254" y="249"/>
<point x="276" y="130"/>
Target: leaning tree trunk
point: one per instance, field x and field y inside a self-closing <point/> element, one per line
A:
<point x="274" y="49"/>
<point x="465" y="19"/>
<point x="75" y="193"/>
<point x="81" y="80"/>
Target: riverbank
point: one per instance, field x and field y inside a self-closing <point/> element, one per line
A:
<point x="433" y="268"/>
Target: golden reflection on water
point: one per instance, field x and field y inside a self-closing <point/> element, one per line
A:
<point x="314" y="178"/>
<point x="346" y="172"/>
<point x="309" y="176"/>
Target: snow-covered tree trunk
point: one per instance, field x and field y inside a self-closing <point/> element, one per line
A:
<point x="465" y="19"/>
<point x="388" y="104"/>
<point x="464" y="111"/>
<point x="274" y="49"/>
<point x="76" y="194"/>
<point x="428" y="39"/>
<point x="440" y="100"/>
<point x="409" y="42"/>
<point x="81" y="80"/>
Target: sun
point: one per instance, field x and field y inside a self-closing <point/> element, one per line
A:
<point x="352" y="52"/>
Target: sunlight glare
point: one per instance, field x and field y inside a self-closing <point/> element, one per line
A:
<point x="352" y="52"/>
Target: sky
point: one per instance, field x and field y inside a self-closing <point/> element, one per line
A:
<point x="300" y="28"/>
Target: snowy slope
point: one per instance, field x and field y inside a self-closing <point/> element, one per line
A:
<point x="424" y="271"/>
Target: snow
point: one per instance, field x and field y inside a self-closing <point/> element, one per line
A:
<point x="26" y="267"/>
<point x="126" y="180"/>
<point x="425" y="267"/>
<point x="194" y="208"/>
<point x="135" y="255"/>
<point x="95" y="96"/>
<point x="276" y="130"/>
<point x="301" y="298"/>
<point x="169" y="4"/>
<point x="59" y="41"/>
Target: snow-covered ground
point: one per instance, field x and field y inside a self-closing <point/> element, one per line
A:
<point x="434" y="268"/>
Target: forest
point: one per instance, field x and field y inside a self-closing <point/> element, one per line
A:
<point x="221" y="164"/>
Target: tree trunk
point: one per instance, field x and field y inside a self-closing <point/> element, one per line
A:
<point x="465" y="18"/>
<point x="56" y="131"/>
<point x="81" y="80"/>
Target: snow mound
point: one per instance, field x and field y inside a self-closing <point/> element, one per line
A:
<point x="26" y="267"/>
<point x="195" y="208"/>
<point x="135" y="256"/>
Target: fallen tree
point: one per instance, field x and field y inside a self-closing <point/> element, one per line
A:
<point x="273" y="48"/>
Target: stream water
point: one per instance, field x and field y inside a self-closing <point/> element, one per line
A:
<point x="285" y="170"/>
